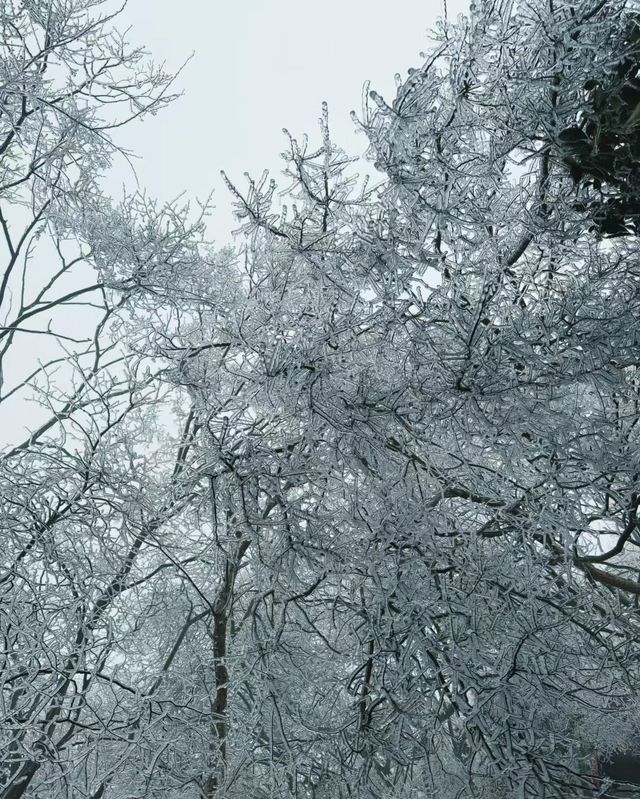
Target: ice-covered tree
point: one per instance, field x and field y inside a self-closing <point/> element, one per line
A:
<point x="86" y="484"/>
<point x="431" y="390"/>
<point x="392" y="549"/>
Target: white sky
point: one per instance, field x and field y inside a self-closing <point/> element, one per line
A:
<point x="257" y="67"/>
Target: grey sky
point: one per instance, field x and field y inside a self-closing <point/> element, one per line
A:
<point x="258" y="67"/>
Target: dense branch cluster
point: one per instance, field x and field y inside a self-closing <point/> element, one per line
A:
<point x="602" y="151"/>
<point x="351" y="508"/>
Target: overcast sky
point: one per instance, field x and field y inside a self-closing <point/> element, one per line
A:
<point x="257" y="67"/>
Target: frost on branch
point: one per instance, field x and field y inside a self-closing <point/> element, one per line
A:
<point x="356" y="513"/>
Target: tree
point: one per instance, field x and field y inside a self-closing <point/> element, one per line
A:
<point x="85" y="492"/>
<point x="602" y="150"/>
<point x="432" y="389"/>
<point x="388" y="548"/>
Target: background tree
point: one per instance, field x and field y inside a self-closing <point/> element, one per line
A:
<point x="85" y="491"/>
<point x="602" y="149"/>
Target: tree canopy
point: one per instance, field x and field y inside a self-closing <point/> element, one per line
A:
<point x="349" y="508"/>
